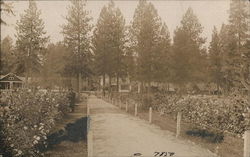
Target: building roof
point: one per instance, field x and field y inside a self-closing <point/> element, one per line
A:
<point x="10" y="77"/>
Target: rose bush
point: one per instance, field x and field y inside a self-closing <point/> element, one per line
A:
<point x="27" y="118"/>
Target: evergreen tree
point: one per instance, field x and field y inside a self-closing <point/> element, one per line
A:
<point x="245" y="72"/>
<point x="188" y="57"/>
<point x="229" y="57"/>
<point x="239" y="29"/>
<point x="109" y="42"/>
<point x="76" y="34"/>
<point x="233" y="37"/>
<point x="7" y="56"/>
<point x="54" y="64"/>
<point x="31" y="40"/>
<point x="129" y="57"/>
<point x="145" y="34"/>
<point x="162" y="56"/>
<point x="215" y="59"/>
<point x="238" y="21"/>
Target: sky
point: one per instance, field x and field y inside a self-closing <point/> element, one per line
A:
<point x="210" y="13"/>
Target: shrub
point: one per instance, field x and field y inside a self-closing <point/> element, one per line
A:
<point x="28" y="118"/>
<point x="209" y="112"/>
<point x="221" y="114"/>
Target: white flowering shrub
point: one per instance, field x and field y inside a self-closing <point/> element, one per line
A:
<point x="221" y="114"/>
<point x="27" y="118"/>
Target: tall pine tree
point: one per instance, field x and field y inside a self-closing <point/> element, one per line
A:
<point x="233" y="37"/>
<point x="109" y="42"/>
<point x="215" y="59"/>
<point x="76" y="34"/>
<point x="146" y="29"/>
<point x="31" y="41"/>
<point x="162" y="56"/>
<point x="7" y="56"/>
<point x="188" y="55"/>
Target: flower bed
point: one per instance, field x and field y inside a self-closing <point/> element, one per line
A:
<point x="210" y="112"/>
<point x="220" y="114"/>
<point x="27" y="118"/>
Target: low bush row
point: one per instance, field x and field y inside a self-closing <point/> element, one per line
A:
<point x="223" y="114"/>
<point x="211" y="112"/>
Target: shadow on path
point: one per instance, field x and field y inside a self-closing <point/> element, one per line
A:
<point x="73" y="132"/>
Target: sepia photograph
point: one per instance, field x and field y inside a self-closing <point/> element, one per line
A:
<point x="125" y="78"/>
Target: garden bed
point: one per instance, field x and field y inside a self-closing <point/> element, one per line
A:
<point x="216" y="123"/>
<point x="27" y="118"/>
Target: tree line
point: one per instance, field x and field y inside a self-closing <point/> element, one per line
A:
<point x="142" y="51"/>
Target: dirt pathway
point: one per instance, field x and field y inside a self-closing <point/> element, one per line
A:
<point x="69" y="136"/>
<point x="116" y="133"/>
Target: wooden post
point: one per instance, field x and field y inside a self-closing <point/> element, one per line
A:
<point x="135" y="109"/>
<point x="126" y="106"/>
<point x="90" y="143"/>
<point x="178" y="128"/>
<point x="247" y="133"/>
<point x="120" y="103"/>
<point x="88" y="111"/>
<point x="150" y="115"/>
<point x="89" y="134"/>
<point x="247" y="144"/>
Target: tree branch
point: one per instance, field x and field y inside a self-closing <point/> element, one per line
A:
<point x="243" y="81"/>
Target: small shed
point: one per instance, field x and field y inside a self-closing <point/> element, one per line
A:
<point x="11" y="81"/>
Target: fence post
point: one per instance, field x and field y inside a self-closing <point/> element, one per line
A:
<point x="247" y="134"/>
<point x="120" y="103"/>
<point x="88" y="111"/>
<point x="150" y="115"/>
<point x="178" y="128"/>
<point x="126" y="106"/>
<point x="136" y="109"/>
<point x="247" y="143"/>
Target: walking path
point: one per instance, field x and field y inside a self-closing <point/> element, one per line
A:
<point x="116" y="133"/>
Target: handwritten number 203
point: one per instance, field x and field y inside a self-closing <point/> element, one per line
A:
<point x="162" y="154"/>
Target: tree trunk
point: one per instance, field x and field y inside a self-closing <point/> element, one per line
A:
<point x="110" y="84"/>
<point x="26" y="79"/>
<point x="117" y="82"/>
<point x="103" y="85"/>
<point x="79" y="84"/>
